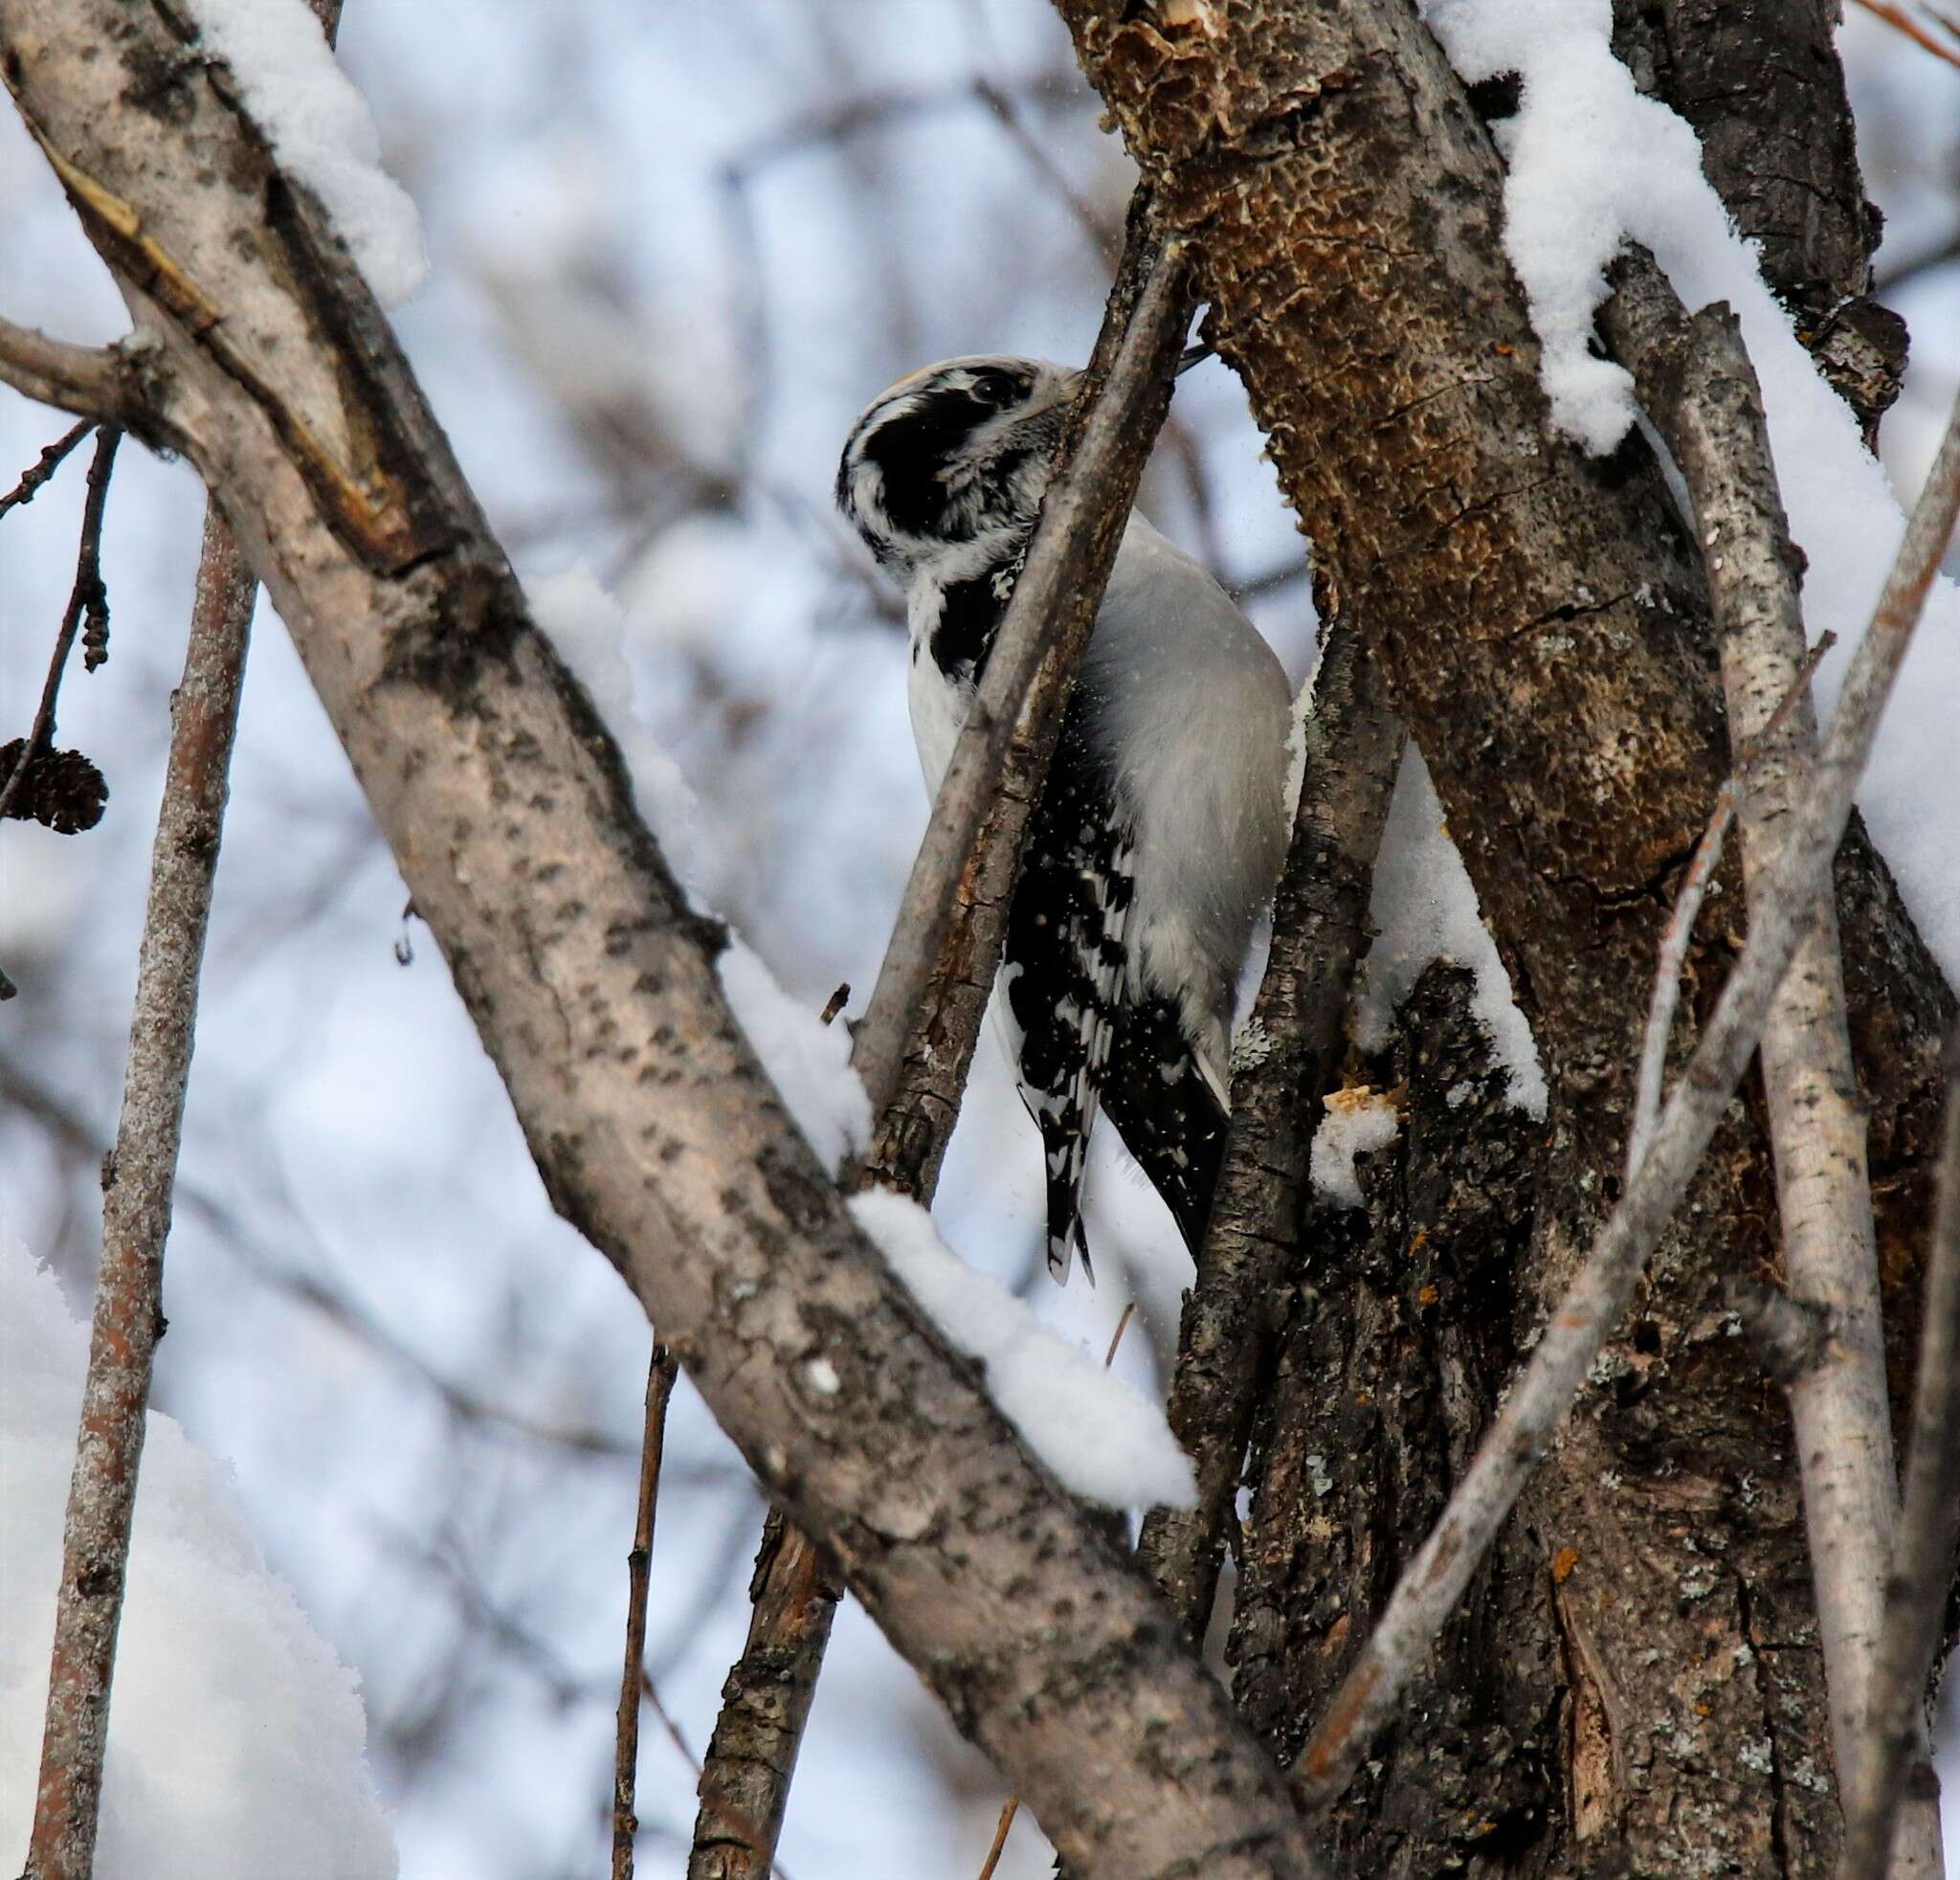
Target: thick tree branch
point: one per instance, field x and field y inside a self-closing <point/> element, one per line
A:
<point x="1320" y="932"/>
<point x="1893" y="1763"/>
<point x="136" y="1218"/>
<point x="1784" y="912"/>
<point x="593" y="987"/>
<point x="1696" y="380"/>
<point x="1544" y="625"/>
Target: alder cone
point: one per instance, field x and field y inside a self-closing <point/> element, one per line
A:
<point x="62" y="790"/>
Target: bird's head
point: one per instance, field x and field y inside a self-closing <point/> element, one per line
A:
<point x="955" y="453"/>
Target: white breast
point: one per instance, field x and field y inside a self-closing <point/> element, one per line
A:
<point x="939" y="706"/>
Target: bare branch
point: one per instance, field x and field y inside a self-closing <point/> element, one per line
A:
<point x="1901" y="21"/>
<point x="44" y="466"/>
<point x="136" y="1218"/>
<point x="661" y="1371"/>
<point x="1320" y="932"/>
<point x="1695" y="377"/>
<point x="1652" y="1080"/>
<point x="1893" y="1761"/>
<point x="95" y="383"/>
<point x="1577" y="1326"/>
<point x="745" y="1784"/>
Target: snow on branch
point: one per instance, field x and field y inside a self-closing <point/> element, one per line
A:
<point x="1578" y="1326"/>
<point x="1593" y="167"/>
<point x="319" y="127"/>
<point x="1101" y="1439"/>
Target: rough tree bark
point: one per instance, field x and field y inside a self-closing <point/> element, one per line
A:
<point x="1643" y="1648"/>
<point x="589" y="979"/>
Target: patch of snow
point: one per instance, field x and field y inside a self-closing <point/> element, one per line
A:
<point x="1101" y="1439"/>
<point x="1356" y="1120"/>
<point x="236" y="1740"/>
<point x="823" y="1376"/>
<point x="320" y="129"/>
<point x="1593" y="165"/>
<point x="807" y="1061"/>
<point x="1425" y="909"/>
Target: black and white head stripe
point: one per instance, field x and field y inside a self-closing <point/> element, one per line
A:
<point x="952" y="453"/>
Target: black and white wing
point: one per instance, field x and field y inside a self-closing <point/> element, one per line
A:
<point x="1171" y="1117"/>
<point x="1064" y="968"/>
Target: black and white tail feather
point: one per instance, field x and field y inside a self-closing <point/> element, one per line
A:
<point x="1161" y="826"/>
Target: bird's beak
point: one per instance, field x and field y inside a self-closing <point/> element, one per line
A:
<point x="1195" y="355"/>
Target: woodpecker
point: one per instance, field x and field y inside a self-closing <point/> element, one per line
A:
<point x="1163" y="823"/>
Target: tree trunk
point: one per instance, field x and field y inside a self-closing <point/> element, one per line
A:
<point x="1637" y="1677"/>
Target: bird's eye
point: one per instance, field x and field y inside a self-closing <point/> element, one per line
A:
<point x="996" y="387"/>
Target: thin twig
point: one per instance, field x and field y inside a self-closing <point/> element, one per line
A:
<point x="1433" y="1581"/>
<point x="136" y="1218"/>
<point x="661" y="1371"/>
<point x="916" y="1039"/>
<point x="1894" y="1750"/>
<point x="1321" y="930"/>
<point x="36" y="475"/>
<point x="1009" y="1809"/>
<point x="1897" y="18"/>
<point x="86" y="599"/>
<point x="1672" y="958"/>
<point x="1680" y="923"/>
